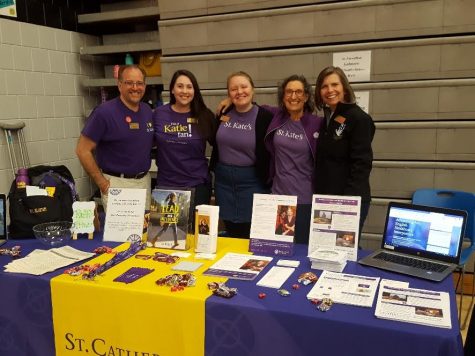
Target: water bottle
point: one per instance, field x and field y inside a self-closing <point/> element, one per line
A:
<point x="129" y="59"/>
<point x="22" y="179"/>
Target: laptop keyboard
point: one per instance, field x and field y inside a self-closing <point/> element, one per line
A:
<point x="411" y="262"/>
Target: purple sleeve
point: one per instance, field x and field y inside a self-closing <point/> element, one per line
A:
<point x="95" y="126"/>
<point x="273" y="109"/>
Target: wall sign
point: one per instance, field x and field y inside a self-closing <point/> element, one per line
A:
<point x="356" y="65"/>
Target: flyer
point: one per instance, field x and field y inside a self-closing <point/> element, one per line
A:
<point x="206" y="229"/>
<point x="273" y="224"/>
<point x="238" y="266"/>
<point x="125" y="214"/>
<point x="335" y="224"/>
<point x="345" y="288"/>
<point x="410" y="305"/>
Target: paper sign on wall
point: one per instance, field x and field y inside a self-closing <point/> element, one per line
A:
<point x="356" y="65"/>
<point x="362" y="99"/>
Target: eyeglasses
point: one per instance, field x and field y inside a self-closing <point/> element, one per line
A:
<point x="131" y="83"/>
<point x="298" y="93"/>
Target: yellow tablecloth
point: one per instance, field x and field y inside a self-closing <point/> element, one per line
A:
<point x="103" y="317"/>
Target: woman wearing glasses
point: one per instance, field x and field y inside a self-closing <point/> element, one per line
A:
<point x="182" y="129"/>
<point x="240" y="160"/>
<point x="345" y="157"/>
<point x="291" y="141"/>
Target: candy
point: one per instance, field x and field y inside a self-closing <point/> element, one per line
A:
<point x="14" y="252"/>
<point x="307" y="278"/>
<point x="222" y="290"/>
<point x="261" y="295"/>
<point x="103" y="249"/>
<point x="177" y="282"/>
<point x="283" y="292"/>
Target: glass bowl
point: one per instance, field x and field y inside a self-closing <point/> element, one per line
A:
<point x="54" y="234"/>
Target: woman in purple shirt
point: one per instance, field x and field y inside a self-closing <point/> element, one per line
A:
<point x="240" y="160"/>
<point x="291" y="141"/>
<point x="182" y="129"/>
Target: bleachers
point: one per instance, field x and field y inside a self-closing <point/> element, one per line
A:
<point x="421" y="87"/>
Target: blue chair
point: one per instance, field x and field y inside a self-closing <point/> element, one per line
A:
<point x="459" y="200"/>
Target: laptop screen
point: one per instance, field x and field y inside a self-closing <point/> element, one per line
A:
<point x="425" y="231"/>
<point x="3" y="219"/>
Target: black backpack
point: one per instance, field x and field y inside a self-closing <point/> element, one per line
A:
<point x="26" y="212"/>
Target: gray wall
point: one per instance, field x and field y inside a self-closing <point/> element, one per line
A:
<point x="40" y="75"/>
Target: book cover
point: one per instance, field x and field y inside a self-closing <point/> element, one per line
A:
<point x="169" y="219"/>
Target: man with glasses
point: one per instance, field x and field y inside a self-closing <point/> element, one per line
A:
<point x="114" y="146"/>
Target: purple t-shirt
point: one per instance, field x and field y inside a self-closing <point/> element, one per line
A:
<point x="124" y="138"/>
<point x="181" y="158"/>
<point x="293" y="162"/>
<point x="236" y="138"/>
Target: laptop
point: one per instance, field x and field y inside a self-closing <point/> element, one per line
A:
<point x="420" y="241"/>
<point x="3" y="219"/>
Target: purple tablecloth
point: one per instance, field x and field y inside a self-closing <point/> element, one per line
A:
<point x="276" y="325"/>
<point x="245" y="324"/>
<point x="26" y="327"/>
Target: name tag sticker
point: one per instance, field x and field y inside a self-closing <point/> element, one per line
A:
<point x="134" y="125"/>
<point x="191" y="120"/>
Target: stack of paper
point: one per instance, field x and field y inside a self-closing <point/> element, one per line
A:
<point x="328" y="260"/>
<point x="42" y="261"/>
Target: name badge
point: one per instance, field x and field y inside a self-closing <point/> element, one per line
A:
<point x="191" y="120"/>
<point x="134" y="126"/>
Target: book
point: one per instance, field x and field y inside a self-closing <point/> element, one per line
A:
<point x="169" y="219"/>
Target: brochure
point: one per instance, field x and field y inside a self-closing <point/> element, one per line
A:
<point x="415" y="306"/>
<point x="169" y="218"/>
<point x="206" y="228"/>
<point x="335" y="224"/>
<point x="238" y="266"/>
<point x="125" y="214"/>
<point x="273" y="224"/>
<point x="345" y="288"/>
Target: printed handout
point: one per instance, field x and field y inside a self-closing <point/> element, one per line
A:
<point x="273" y="224"/>
<point x="238" y="266"/>
<point x="125" y="214"/>
<point x="416" y="306"/>
<point x="335" y="224"/>
<point x="345" y="288"/>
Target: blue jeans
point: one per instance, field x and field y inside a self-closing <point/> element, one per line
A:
<point x="234" y="188"/>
